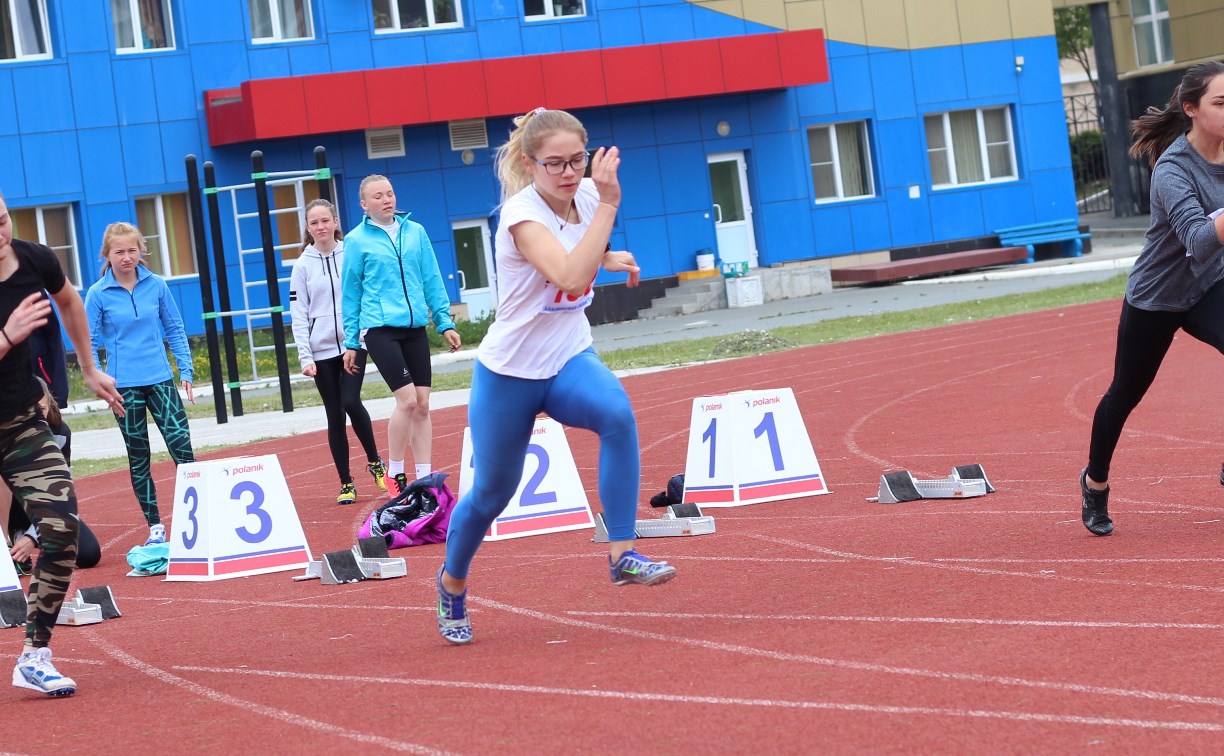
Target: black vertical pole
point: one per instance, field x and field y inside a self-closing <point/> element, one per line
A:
<point x="223" y="293"/>
<point x="206" y="291"/>
<point x="323" y="174"/>
<point x="260" y="178"/>
<point x="1114" y="115"/>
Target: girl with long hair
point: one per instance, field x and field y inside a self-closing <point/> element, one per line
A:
<point x="1178" y="281"/>
<point x="537" y="356"/>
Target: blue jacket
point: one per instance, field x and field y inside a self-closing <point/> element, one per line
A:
<point x="131" y="327"/>
<point x="391" y="282"/>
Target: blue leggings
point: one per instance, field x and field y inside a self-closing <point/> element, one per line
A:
<point x="501" y="413"/>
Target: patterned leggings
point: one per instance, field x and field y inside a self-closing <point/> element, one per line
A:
<point x="162" y="399"/>
<point x="33" y="466"/>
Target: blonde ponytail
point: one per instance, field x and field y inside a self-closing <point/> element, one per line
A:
<point x="530" y="130"/>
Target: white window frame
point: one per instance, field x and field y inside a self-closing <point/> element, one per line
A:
<point x="550" y="12"/>
<point x="1151" y="21"/>
<point x="430" y="25"/>
<point x="46" y="35"/>
<point x="74" y="252"/>
<point x="137" y="23"/>
<point x="830" y="130"/>
<point x="278" y="32"/>
<point x="161" y="237"/>
<point x="984" y="155"/>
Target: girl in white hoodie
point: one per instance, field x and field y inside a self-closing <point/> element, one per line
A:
<point x="318" y="330"/>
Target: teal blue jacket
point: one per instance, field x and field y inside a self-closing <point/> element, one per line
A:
<point x="391" y="282"/>
<point x="134" y="327"/>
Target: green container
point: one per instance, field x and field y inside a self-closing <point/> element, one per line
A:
<point x="734" y="269"/>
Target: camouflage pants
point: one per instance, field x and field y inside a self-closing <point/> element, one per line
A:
<point x="162" y="399"/>
<point x="32" y="465"/>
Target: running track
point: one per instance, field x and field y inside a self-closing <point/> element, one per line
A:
<point x="827" y="624"/>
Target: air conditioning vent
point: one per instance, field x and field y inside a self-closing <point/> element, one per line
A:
<point x="468" y="135"/>
<point x="384" y="143"/>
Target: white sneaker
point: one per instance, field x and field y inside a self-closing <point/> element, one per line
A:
<point x="35" y="671"/>
<point x="157" y="534"/>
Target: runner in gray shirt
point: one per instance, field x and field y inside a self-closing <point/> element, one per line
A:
<point x="1177" y="280"/>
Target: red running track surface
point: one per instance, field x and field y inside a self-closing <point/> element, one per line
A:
<point x="827" y="624"/>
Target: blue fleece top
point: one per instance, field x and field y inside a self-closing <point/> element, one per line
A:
<point x="132" y="326"/>
<point x="391" y="282"/>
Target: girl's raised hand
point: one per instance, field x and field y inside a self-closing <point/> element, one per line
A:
<point x="604" y="165"/>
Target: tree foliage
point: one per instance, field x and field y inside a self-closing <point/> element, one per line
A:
<point x="1073" y="31"/>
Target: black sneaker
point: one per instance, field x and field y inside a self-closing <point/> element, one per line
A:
<point x="1096" y="508"/>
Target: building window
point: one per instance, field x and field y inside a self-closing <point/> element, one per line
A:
<point x="398" y="15"/>
<point x="535" y="10"/>
<point x="1153" y="40"/>
<point x="280" y="20"/>
<point x="970" y="146"/>
<point x="142" y="25"/>
<point x="841" y="161"/>
<point x="52" y="226"/>
<point x="289" y="201"/>
<point x="166" y="224"/>
<point x="23" y="30"/>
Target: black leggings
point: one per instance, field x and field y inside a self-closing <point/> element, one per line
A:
<point x="341" y="392"/>
<point x="1144" y="338"/>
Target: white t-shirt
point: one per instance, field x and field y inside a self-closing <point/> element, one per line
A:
<point x="538" y="327"/>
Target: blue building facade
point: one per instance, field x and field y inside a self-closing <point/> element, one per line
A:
<point x="819" y="149"/>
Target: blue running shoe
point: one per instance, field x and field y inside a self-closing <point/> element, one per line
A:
<point x="453" y="622"/>
<point x="35" y="671"/>
<point x="632" y="567"/>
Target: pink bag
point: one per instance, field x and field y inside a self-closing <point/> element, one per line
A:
<point x="420" y="514"/>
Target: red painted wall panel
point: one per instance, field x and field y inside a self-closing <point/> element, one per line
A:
<point x="514" y="85"/>
<point x="693" y="69"/>
<point x="633" y="74"/>
<point x="803" y="57"/>
<point x="278" y="107"/>
<point x="396" y="96"/>
<point x="379" y="98"/>
<point x="336" y="102"/>
<point x="573" y="80"/>
<point x="456" y="90"/>
<point x="751" y="63"/>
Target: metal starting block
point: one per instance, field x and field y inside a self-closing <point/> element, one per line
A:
<point x="13" y="607"/>
<point x="368" y="560"/>
<point x="901" y="486"/>
<point x="678" y="520"/>
<point x="88" y="606"/>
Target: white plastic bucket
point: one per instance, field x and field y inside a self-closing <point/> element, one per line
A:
<point x="705" y="262"/>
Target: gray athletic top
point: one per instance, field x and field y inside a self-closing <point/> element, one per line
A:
<point x="1182" y="257"/>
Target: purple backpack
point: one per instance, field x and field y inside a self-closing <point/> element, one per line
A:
<point x="420" y="514"/>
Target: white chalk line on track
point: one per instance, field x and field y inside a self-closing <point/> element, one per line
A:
<point x="789" y="657"/>
<point x="986" y="570"/>
<point x="216" y="696"/>
<point x="906" y="620"/>
<point x="1147" y="724"/>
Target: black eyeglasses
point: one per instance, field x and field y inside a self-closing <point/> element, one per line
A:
<point x="557" y="167"/>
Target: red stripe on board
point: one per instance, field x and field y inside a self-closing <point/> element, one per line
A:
<point x="541" y="523"/>
<point x="720" y="496"/>
<point x="782" y="489"/>
<point x="187" y="568"/>
<point x="297" y="556"/>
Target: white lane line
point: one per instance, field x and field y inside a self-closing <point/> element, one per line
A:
<point x="1017" y="716"/>
<point x="280" y="715"/>
<point x="905" y="620"/>
<point x="1044" y="575"/>
<point x="788" y="657"/>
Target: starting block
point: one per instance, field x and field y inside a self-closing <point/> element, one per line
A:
<point x="368" y="560"/>
<point x="679" y="520"/>
<point x="89" y="606"/>
<point x="13" y="607"/>
<point x="902" y="486"/>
